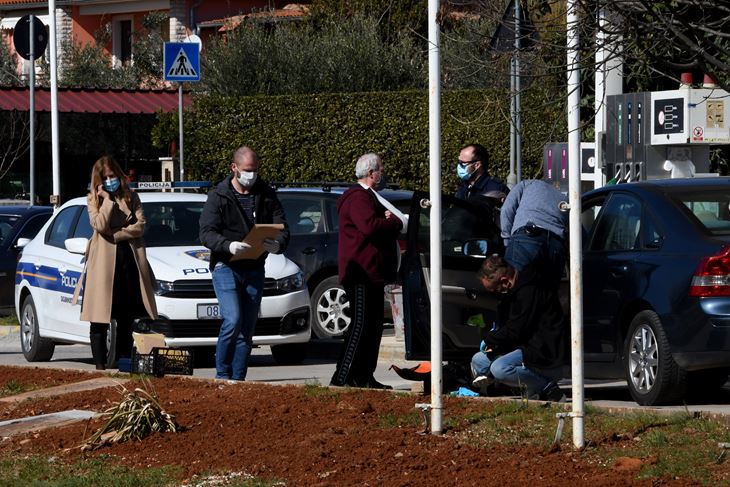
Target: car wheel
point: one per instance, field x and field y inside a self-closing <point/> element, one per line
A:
<point x="330" y="309"/>
<point x="652" y="374"/>
<point x="289" y="353"/>
<point x="111" y="345"/>
<point x="35" y="348"/>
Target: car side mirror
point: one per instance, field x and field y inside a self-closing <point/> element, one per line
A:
<point x="22" y="242"/>
<point x="476" y="247"/>
<point x="76" y="245"/>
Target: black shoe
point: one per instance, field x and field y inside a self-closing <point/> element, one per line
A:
<point x="552" y="393"/>
<point x="348" y="383"/>
<point x="374" y="384"/>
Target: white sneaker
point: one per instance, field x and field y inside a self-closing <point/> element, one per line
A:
<point x="482" y="381"/>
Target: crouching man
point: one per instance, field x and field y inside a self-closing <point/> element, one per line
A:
<point x="530" y="348"/>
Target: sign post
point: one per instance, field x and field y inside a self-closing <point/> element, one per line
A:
<point x="30" y="38"/>
<point x="182" y="63"/>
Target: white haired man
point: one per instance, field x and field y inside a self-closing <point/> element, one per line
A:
<point x="367" y="261"/>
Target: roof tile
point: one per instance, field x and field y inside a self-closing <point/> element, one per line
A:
<point x="81" y="100"/>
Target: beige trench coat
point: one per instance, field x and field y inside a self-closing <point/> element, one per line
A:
<point x="113" y="222"/>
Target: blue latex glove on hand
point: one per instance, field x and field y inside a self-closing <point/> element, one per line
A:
<point x="272" y="246"/>
<point x="482" y="346"/>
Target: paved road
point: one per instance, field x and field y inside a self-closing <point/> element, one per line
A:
<point x="319" y="366"/>
<point x="316" y="369"/>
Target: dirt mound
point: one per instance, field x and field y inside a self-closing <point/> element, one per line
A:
<point x="313" y="436"/>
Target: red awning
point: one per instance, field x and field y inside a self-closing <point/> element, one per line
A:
<point x="78" y="100"/>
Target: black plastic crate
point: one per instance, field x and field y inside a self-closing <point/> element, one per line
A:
<point x="162" y="361"/>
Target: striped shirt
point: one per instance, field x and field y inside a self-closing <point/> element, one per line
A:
<point x="246" y="201"/>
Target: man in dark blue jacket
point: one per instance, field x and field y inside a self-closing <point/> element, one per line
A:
<point x="474" y="180"/>
<point x="233" y="207"/>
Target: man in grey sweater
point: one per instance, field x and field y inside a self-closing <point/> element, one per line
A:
<point x="535" y="228"/>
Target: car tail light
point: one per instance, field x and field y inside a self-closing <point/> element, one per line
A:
<point x="712" y="277"/>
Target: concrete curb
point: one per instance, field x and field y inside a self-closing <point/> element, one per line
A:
<point x="8" y="330"/>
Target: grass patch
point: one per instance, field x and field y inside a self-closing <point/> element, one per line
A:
<point x="314" y="389"/>
<point x="100" y="472"/>
<point x="391" y="420"/>
<point x="10" y="320"/>
<point x="13" y="387"/>
<point x="678" y="445"/>
<point x="511" y="423"/>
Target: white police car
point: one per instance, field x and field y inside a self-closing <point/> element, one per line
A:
<point x="52" y="262"/>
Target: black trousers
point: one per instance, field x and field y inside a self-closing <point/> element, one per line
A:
<point x="127" y="301"/>
<point x="359" y="355"/>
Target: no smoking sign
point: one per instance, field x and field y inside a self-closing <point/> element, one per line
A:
<point x="697" y="133"/>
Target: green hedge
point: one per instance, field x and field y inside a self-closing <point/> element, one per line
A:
<point x="318" y="137"/>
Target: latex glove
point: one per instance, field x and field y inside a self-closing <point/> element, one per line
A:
<point x="238" y="247"/>
<point x="272" y="246"/>
<point x="482" y="346"/>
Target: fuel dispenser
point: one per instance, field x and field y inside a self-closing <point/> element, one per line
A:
<point x="663" y="134"/>
<point x="555" y="165"/>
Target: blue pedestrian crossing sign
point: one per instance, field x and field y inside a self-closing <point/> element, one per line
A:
<point x="182" y="61"/>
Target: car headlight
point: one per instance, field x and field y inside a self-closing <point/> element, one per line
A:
<point x="295" y="282"/>
<point x="163" y="287"/>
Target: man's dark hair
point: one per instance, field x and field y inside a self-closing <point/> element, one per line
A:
<point x="494" y="267"/>
<point x="480" y="153"/>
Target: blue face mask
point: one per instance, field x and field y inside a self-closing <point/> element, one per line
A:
<point x="463" y="172"/>
<point x="111" y="185"/>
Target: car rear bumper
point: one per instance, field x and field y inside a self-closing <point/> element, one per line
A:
<point x="702" y="360"/>
<point x="709" y="344"/>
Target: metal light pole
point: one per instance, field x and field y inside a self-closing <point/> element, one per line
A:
<point x="434" y="124"/>
<point x="31" y="110"/>
<point x="608" y="81"/>
<point x="515" y="123"/>
<point x="180" y="130"/>
<point x="517" y="100"/>
<point x="576" y="258"/>
<point x="56" y="196"/>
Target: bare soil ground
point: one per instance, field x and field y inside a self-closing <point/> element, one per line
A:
<point x="308" y="436"/>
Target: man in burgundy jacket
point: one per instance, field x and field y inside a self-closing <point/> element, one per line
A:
<point x="367" y="260"/>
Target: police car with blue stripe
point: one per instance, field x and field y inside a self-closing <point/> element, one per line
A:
<point x="52" y="262"/>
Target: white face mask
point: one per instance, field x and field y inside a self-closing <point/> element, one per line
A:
<point x="247" y="178"/>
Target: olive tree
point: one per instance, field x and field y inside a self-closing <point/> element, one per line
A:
<point x="346" y="56"/>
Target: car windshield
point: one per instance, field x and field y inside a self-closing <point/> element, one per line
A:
<point x="7" y="222"/>
<point x="172" y="223"/>
<point x="710" y="208"/>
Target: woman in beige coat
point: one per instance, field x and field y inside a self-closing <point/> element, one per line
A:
<point x="117" y="280"/>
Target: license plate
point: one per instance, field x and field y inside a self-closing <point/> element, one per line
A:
<point x="209" y="311"/>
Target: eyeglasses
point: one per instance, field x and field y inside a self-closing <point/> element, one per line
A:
<point x="466" y="163"/>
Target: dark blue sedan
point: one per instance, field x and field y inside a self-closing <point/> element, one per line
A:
<point x="656" y="277"/>
<point x="16" y="222"/>
<point x="656" y="284"/>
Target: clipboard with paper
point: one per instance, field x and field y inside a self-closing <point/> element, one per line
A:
<point x="255" y="239"/>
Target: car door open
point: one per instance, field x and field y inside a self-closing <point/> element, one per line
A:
<point x="468" y="236"/>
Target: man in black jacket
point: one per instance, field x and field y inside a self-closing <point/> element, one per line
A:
<point x="531" y="339"/>
<point x="233" y="207"/>
<point x="474" y="180"/>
